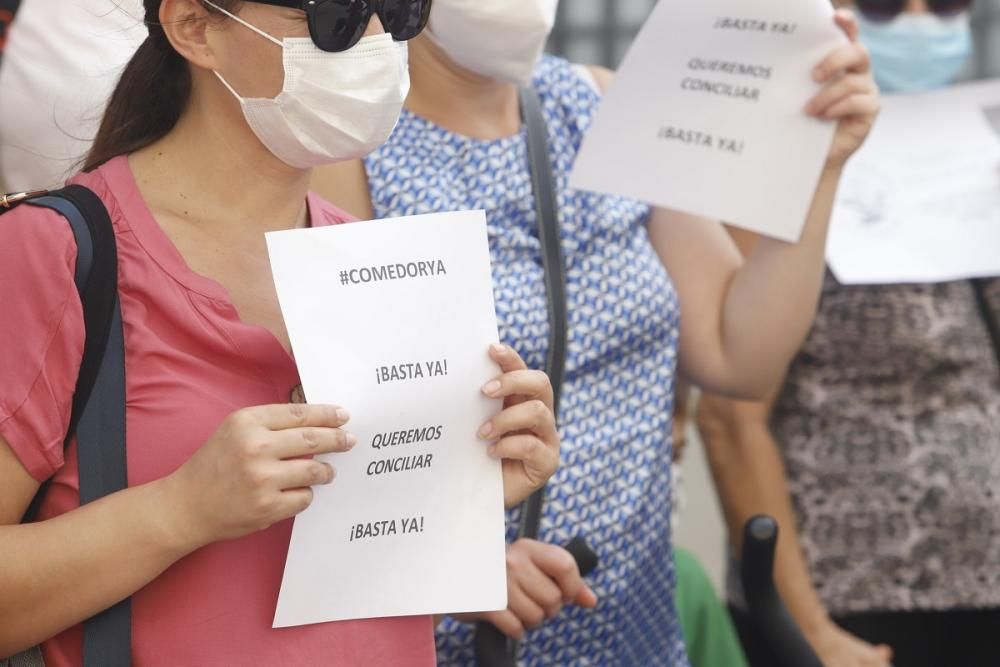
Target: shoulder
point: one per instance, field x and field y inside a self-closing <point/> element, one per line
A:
<point x="559" y="73"/>
<point x="37" y="266"/>
<point x="559" y="78"/>
<point x="570" y="95"/>
<point x="41" y="334"/>
<point x="34" y="240"/>
<point x="37" y="246"/>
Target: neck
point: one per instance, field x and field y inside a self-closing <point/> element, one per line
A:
<point x="459" y="100"/>
<point x="212" y="169"/>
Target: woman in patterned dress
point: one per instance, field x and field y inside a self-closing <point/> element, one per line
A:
<point x="888" y="426"/>
<point x="460" y="145"/>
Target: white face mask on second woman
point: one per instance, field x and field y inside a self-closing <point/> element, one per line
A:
<point x="501" y="39"/>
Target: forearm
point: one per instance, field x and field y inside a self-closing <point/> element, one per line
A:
<point x="771" y="301"/>
<point x="750" y="480"/>
<point x="59" y="572"/>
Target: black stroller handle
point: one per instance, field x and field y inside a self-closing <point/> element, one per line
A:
<point x="494" y="648"/>
<point x="768" y="613"/>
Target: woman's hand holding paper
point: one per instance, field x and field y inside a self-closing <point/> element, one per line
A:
<point x="257" y="469"/>
<point x="541" y="579"/>
<point x="850" y="95"/>
<point x="524" y="434"/>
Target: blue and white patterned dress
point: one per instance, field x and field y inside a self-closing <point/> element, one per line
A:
<point x="613" y="484"/>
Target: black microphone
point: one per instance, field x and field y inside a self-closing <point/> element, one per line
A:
<point x="494" y="648"/>
<point x="768" y="613"/>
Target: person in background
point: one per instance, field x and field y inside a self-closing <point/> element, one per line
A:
<point x="460" y="145"/>
<point x="61" y="62"/>
<point x="207" y="144"/>
<point x="880" y="455"/>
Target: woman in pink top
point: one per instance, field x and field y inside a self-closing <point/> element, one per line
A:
<point x="193" y="175"/>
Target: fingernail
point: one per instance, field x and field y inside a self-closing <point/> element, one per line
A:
<point x="491" y="451"/>
<point x="333" y="475"/>
<point x="351" y="440"/>
<point x="485" y="430"/>
<point x="499" y="349"/>
<point x="492" y="387"/>
<point x="343" y="415"/>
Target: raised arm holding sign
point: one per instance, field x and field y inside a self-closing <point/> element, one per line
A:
<point x="804" y="126"/>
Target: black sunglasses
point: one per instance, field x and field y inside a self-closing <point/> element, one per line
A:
<point x="337" y="25"/>
<point x="887" y="10"/>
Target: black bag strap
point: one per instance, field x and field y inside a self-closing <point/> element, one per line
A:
<point x="96" y="276"/>
<point x="546" y="209"/>
<point x="493" y="648"/>
<point x="989" y="317"/>
<point x="98" y="414"/>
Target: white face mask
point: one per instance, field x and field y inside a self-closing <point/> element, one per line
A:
<point x="332" y="106"/>
<point x="501" y="39"/>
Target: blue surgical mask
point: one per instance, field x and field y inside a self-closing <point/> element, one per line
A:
<point x="917" y="52"/>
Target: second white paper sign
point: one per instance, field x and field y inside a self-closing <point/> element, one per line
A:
<point x="706" y="114"/>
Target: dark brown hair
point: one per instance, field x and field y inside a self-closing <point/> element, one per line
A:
<point x="152" y="93"/>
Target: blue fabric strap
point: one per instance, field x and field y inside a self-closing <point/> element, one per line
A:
<point x="98" y="417"/>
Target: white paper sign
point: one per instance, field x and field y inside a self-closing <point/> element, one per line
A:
<point x="392" y="320"/>
<point x="920" y="202"/>
<point x="706" y="114"/>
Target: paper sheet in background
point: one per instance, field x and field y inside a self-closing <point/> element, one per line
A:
<point x="407" y="357"/>
<point x="920" y="202"/>
<point x="745" y="153"/>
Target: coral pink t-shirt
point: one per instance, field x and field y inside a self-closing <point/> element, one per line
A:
<point x="190" y="362"/>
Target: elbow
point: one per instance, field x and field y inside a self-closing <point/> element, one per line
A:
<point x="716" y="421"/>
<point x="757" y="388"/>
<point x="19" y="625"/>
<point x="11" y="645"/>
<point x="713" y="417"/>
<point x="748" y="374"/>
<point x="756" y="383"/>
<point x="9" y="641"/>
<point x="730" y="430"/>
<point x="752" y="387"/>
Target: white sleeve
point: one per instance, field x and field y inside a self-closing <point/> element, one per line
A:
<point x="61" y="62"/>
